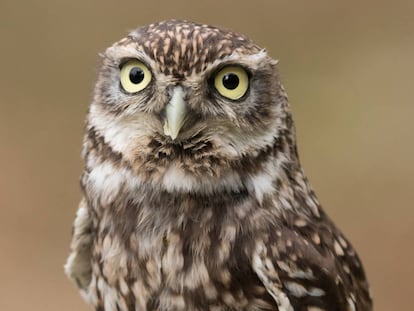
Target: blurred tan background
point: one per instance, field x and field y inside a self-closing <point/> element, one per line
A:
<point x="348" y="68"/>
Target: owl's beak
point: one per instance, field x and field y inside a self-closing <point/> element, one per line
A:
<point x="175" y="112"/>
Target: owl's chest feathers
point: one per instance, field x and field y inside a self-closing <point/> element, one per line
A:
<point x="181" y="230"/>
<point x="173" y="245"/>
<point x="188" y="245"/>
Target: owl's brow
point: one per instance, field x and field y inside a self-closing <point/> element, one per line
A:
<point x="252" y="61"/>
<point x="117" y="53"/>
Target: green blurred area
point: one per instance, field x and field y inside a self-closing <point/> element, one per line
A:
<point x="347" y="66"/>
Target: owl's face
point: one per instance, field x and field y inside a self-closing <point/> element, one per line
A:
<point x="185" y="105"/>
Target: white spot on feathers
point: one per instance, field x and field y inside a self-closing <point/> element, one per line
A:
<point x="299" y="290"/>
<point x="296" y="289"/>
<point x="338" y="249"/>
<point x="351" y="305"/>
<point x="262" y="183"/>
<point x="268" y="275"/>
<point x="105" y="182"/>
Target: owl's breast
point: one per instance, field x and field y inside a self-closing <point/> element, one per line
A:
<point x="146" y="262"/>
<point x="170" y="249"/>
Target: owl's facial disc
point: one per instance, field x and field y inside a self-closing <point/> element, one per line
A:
<point x="175" y="113"/>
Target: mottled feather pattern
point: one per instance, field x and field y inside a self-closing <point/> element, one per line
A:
<point x="220" y="218"/>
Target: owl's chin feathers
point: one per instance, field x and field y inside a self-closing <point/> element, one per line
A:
<point x="176" y="179"/>
<point x="106" y="182"/>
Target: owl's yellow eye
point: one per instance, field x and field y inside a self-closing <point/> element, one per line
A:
<point x="232" y="82"/>
<point x="135" y="76"/>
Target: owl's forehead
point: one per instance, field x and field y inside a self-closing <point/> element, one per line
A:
<point x="181" y="48"/>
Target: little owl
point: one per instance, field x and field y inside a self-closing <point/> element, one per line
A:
<point x="193" y="194"/>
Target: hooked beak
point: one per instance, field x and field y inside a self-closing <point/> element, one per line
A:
<point x="175" y="112"/>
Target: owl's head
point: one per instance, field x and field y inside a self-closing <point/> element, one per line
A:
<point x="188" y="107"/>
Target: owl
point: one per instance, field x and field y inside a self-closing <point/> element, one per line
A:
<point x="194" y="197"/>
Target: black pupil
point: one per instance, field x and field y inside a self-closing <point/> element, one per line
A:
<point x="136" y="75"/>
<point x="230" y="81"/>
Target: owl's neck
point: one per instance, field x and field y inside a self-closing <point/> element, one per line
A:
<point x="271" y="174"/>
<point x="126" y="206"/>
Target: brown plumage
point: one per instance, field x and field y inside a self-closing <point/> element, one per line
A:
<point x="194" y="196"/>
